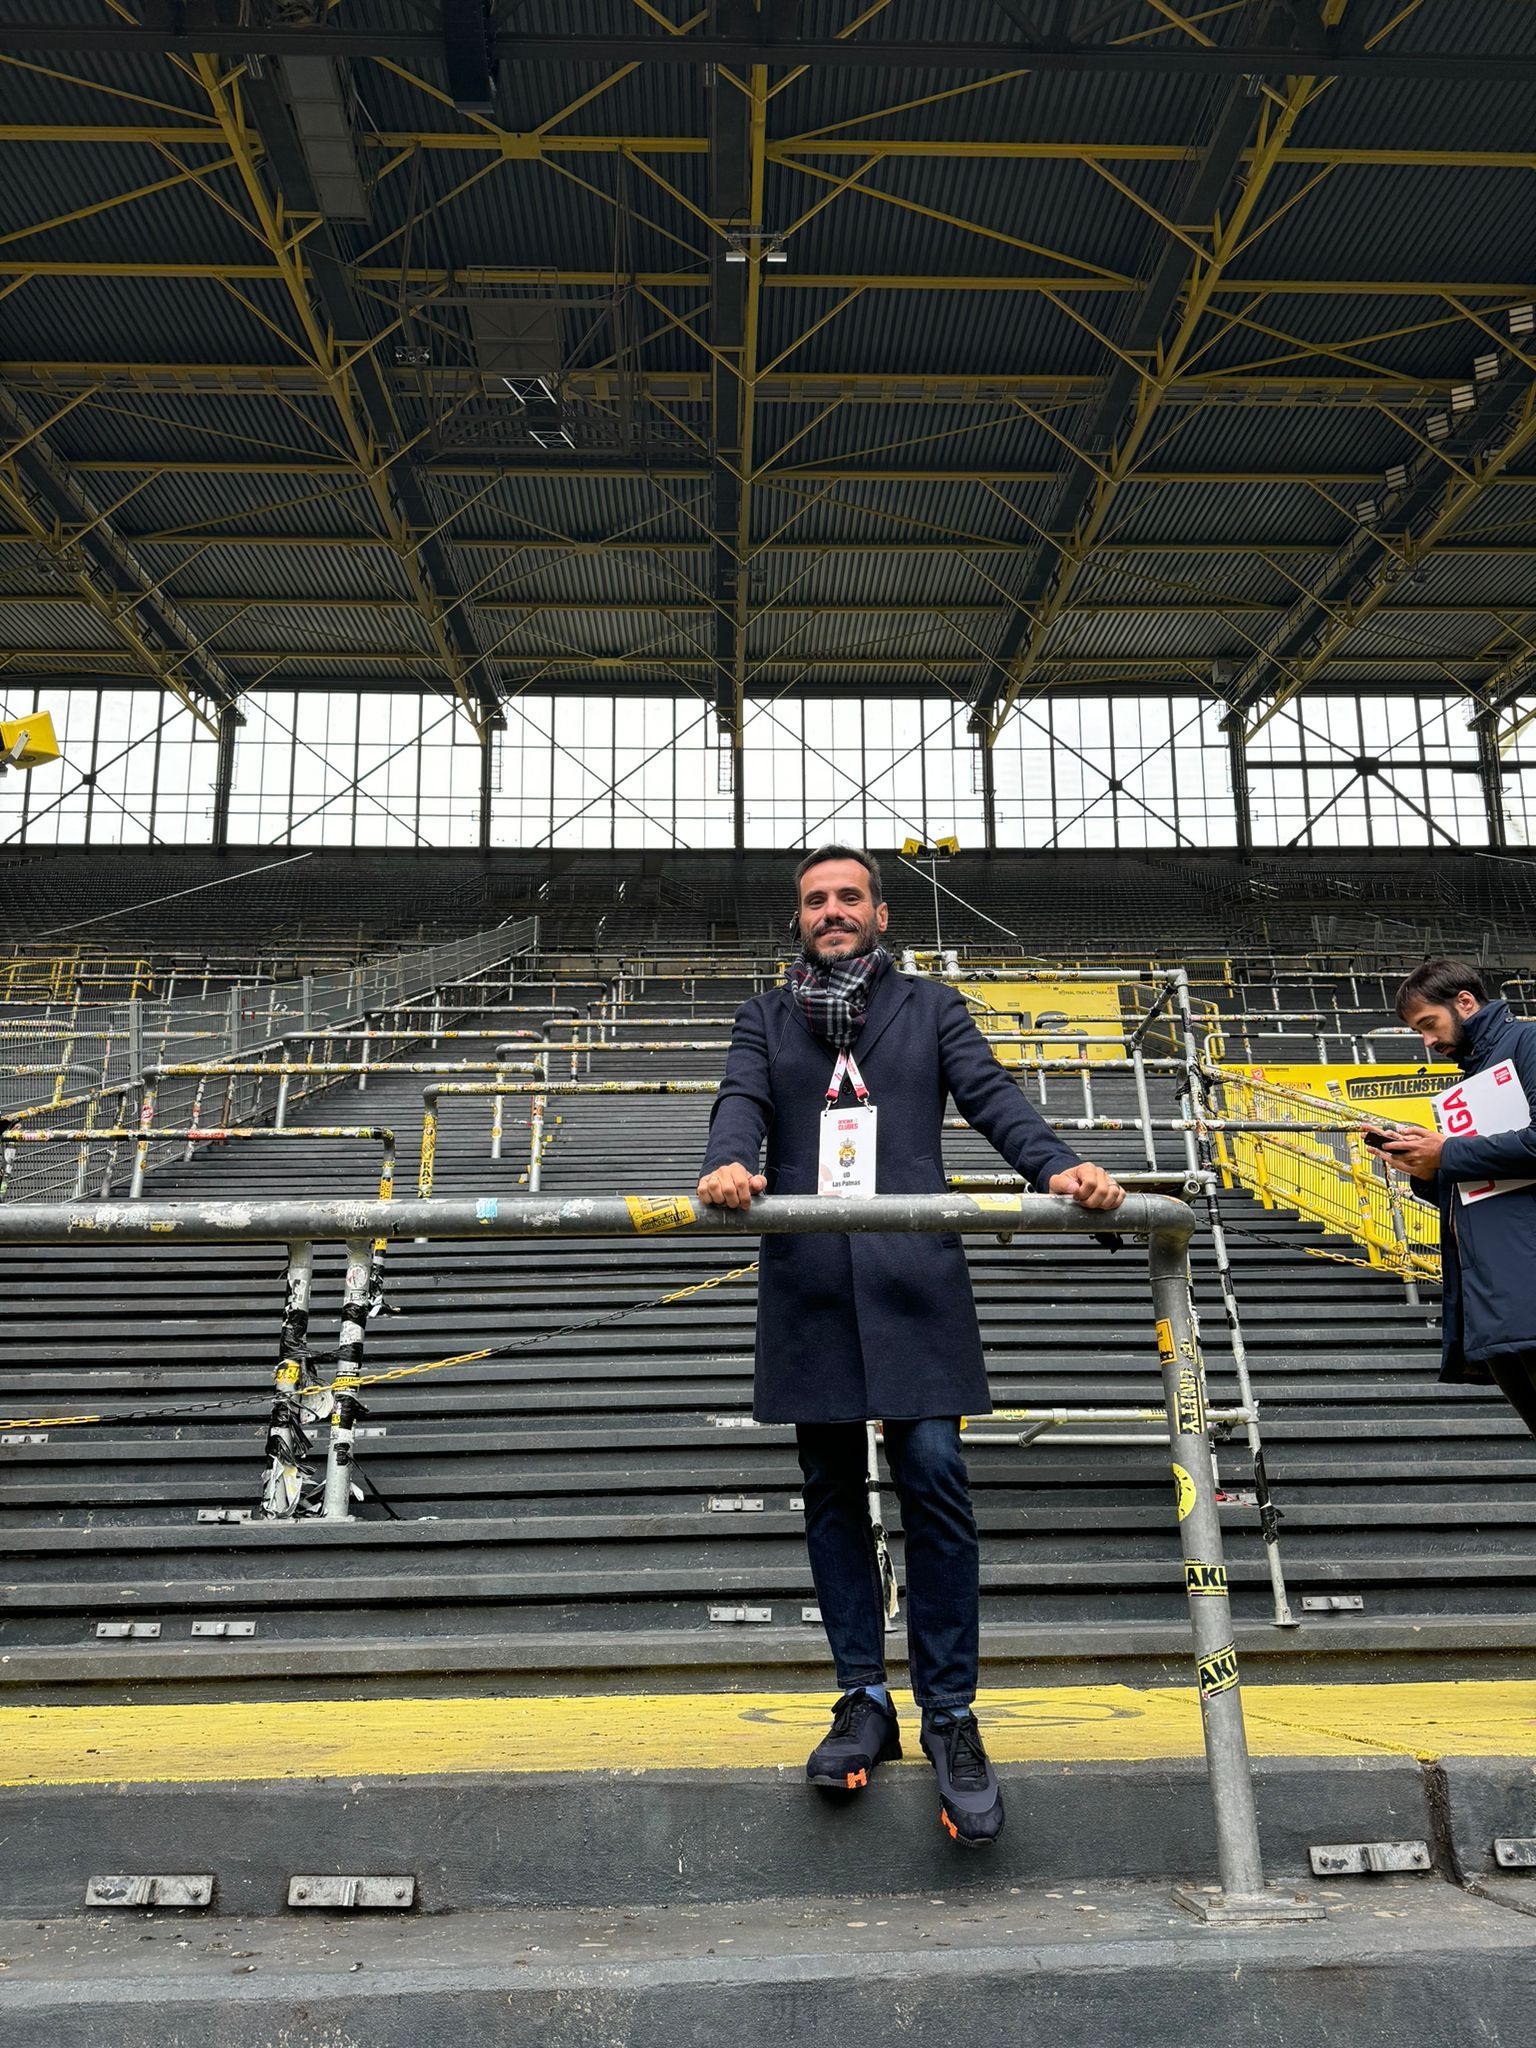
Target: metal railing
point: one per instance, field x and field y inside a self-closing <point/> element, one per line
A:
<point x="192" y="1033"/>
<point x="1305" y="1153"/>
<point x="299" y="1403"/>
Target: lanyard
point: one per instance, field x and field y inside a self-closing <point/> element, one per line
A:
<point x="847" y="1064"/>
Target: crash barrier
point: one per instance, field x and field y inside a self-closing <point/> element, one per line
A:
<point x="141" y="1137"/>
<point x="1303" y="1152"/>
<point x="127" y="1038"/>
<point x="300" y="1401"/>
<point x="540" y="1091"/>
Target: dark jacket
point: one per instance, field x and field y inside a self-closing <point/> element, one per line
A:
<point x="1488" y="1249"/>
<point x="854" y="1328"/>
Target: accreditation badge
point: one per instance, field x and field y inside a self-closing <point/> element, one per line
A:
<point x="847" y="1161"/>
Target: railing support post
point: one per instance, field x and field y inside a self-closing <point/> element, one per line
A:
<point x="1243" y="1895"/>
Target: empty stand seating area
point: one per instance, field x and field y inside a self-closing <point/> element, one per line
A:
<point x="589" y="1498"/>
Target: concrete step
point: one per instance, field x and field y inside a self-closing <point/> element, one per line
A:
<point x="1413" y="1960"/>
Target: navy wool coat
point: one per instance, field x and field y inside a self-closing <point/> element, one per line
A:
<point x="1488" y="1249"/>
<point x="859" y="1328"/>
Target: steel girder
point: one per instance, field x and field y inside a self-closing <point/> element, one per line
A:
<point x="60" y="518"/>
<point x="354" y="382"/>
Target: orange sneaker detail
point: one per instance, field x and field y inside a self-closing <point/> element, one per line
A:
<point x="856" y="1779"/>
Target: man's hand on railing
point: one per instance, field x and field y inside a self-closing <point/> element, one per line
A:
<point x="1089" y="1186"/>
<point x="730" y="1187"/>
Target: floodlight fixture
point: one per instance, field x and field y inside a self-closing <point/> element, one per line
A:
<point x="1522" y="319"/>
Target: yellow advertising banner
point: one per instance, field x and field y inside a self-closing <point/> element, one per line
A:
<point x="1088" y="1007"/>
<point x="1399" y="1095"/>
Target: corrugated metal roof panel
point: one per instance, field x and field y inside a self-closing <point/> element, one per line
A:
<point x="143" y="319"/>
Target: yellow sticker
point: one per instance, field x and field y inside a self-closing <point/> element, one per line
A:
<point x="1202" y="1579"/>
<point x="660" y="1212"/>
<point x="1007" y="1203"/>
<point x="1165" y="1351"/>
<point x="1185" y="1487"/>
<point x="1189" y="1402"/>
<point x="1218" y="1672"/>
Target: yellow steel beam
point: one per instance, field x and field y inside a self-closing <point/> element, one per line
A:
<point x="881" y="388"/>
<point x="1512" y="292"/>
<point x="1227" y="237"/>
<point x="334" y="371"/>
<point x="519" y="543"/>
<point x="1212" y="606"/>
<point x="273" y="660"/>
<point x="1462" y="495"/>
<point x="532" y="144"/>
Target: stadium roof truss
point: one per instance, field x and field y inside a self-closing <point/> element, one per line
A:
<point x="975" y="349"/>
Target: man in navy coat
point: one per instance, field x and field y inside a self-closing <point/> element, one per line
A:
<point x="852" y="1329"/>
<point x="1487" y="1247"/>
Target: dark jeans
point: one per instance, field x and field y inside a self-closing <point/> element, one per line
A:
<point x="942" y="1561"/>
<point x="1516" y="1377"/>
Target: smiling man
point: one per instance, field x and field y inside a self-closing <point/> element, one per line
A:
<point x="1487" y="1246"/>
<point x="846" y="1069"/>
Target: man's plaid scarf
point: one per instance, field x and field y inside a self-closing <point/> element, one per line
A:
<point x="833" y="1000"/>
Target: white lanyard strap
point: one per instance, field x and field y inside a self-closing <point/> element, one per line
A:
<point x="849" y="1066"/>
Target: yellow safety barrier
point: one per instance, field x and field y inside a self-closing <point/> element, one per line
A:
<point x="1325" y="1171"/>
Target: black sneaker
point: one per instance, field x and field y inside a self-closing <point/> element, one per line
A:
<point x="863" y="1733"/>
<point x="970" y="1799"/>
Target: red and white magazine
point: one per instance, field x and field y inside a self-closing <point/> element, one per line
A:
<point x="1484" y="1106"/>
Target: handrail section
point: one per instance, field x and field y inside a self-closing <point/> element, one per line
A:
<point x="1166" y="1226"/>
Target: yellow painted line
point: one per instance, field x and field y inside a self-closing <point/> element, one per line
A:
<point x="238" y="1739"/>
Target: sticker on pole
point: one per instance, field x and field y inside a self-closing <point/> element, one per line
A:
<point x="1165" y="1346"/>
<point x="1202" y="1581"/>
<point x="660" y="1212"/>
<point x="1184" y="1486"/>
<point x="1218" y="1672"/>
<point x="1189" y="1402"/>
<point x="1003" y="1205"/>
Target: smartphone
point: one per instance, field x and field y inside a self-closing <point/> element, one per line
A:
<point x="1377" y="1139"/>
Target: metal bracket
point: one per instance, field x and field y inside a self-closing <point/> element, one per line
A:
<point x="796" y="1504"/>
<point x="810" y="1614"/>
<point x="1271" y="1907"/>
<point x="120" y="1629"/>
<point x="25" y="1437"/>
<point x="1515" y="1852"/>
<point x="733" y="1421"/>
<point x="741" y="1614"/>
<point x="1332" y="1603"/>
<point x="733" y="1504"/>
<point x="349" y="1894"/>
<point x="1367" y="1859"/>
<point x="223" y="1628"/>
<point x="224" y="1514"/>
<point x="149" y="1891"/>
<point x="372" y="1429"/>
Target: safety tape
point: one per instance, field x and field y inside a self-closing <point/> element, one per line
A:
<point x="351" y="1381"/>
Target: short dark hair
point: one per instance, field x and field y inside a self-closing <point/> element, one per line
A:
<point x="835" y="852"/>
<point x="1440" y="981"/>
